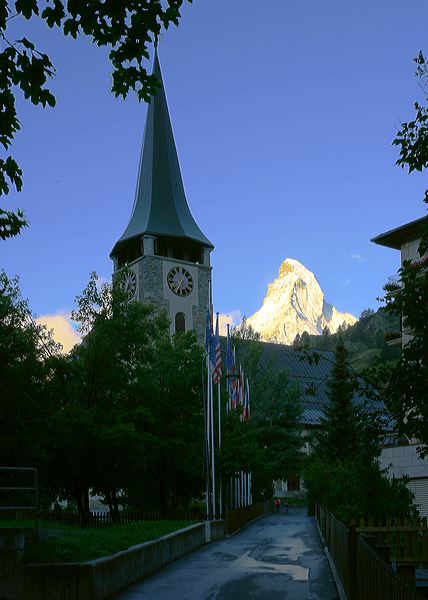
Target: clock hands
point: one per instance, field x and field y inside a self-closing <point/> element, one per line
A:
<point x="180" y="281"/>
<point x="177" y="286"/>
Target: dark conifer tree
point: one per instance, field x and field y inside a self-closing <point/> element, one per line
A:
<point x="339" y="436"/>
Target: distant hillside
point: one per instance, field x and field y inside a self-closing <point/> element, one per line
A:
<point x="364" y="341"/>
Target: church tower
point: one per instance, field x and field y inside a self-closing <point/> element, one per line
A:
<point x="166" y="252"/>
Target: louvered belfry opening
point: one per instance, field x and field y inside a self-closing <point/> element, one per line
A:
<point x="179" y="249"/>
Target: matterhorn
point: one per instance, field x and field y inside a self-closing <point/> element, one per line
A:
<point x="295" y="303"/>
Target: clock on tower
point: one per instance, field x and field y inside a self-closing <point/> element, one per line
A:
<point x="167" y="255"/>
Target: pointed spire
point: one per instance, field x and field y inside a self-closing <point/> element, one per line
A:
<point x="160" y="205"/>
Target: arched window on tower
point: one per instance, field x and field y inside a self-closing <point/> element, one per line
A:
<point x="180" y="323"/>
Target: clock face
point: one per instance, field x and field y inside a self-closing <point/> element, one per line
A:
<point x="130" y="284"/>
<point x="180" y="281"/>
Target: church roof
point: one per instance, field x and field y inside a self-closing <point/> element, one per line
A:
<point x="160" y="205"/>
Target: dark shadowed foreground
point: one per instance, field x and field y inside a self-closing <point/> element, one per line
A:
<point x="277" y="557"/>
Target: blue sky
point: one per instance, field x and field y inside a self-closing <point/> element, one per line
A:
<point x="283" y="114"/>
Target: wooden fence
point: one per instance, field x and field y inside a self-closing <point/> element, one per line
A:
<point x="375" y="578"/>
<point x="407" y="539"/>
<point x="362" y="565"/>
<point x="339" y="540"/>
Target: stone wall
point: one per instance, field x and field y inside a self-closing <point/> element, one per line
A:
<point x="238" y="517"/>
<point x="12" y="545"/>
<point x="100" y="578"/>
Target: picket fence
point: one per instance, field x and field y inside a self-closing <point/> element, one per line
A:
<point x="95" y="520"/>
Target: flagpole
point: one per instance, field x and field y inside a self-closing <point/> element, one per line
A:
<point x="218" y="374"/>
<point x="209" y="407"/>
<point x="208" y="434"/>
<point x="218" y="349"/>
<point x="212" y="448"/>
<point x="220" y="493"/>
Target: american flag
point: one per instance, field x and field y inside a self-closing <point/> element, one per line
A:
<point x="217" y="360"/>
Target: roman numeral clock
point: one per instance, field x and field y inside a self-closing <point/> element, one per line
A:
<point x="165" y="252"/>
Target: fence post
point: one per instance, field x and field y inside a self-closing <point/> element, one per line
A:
<point x="352" y="562"/>
<point x="407" y="572"/>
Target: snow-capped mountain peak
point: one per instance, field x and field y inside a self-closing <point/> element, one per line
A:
<point x="295" y="303"/>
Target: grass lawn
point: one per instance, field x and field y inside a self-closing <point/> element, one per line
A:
<point x="80" y="545"/>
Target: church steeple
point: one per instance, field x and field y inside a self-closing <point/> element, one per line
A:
<point x="160" y="206"/>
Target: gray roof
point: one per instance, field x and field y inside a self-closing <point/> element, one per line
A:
<point x="405" y="233"/>
<point x="311" y="378"/>
<point x="160" y="205"/>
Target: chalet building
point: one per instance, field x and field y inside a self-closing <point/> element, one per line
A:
<point x="400" y="455"/>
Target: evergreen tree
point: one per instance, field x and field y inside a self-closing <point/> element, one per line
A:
<point x="342" y="472"/>
<point x="338" y="437"/>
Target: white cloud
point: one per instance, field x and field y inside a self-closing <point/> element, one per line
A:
<point x="234" y="317"/>
<point x="63" y="331"/>
<point x="357" y="257"/>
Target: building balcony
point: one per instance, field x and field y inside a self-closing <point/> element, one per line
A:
<point x="393" y="285"/>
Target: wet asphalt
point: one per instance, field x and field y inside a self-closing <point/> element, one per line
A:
<point x="278" y="557"/>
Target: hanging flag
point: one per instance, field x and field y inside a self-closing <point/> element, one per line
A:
<point x="246" y="406"/>
<point x="241" y="386"/>
<point x="217" y="358"/>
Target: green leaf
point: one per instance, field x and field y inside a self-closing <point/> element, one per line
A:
<point x="27" y="8"/>
<point x="27" y="44"/>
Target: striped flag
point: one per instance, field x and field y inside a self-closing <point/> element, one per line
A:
<point x="217" y="360"/>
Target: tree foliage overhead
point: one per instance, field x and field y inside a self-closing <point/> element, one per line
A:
<point x="126" y="27"/>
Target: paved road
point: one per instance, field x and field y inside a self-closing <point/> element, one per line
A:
<point x="277" y="557"/>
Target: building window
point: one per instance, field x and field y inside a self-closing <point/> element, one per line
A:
<point x="180" y="323"/>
